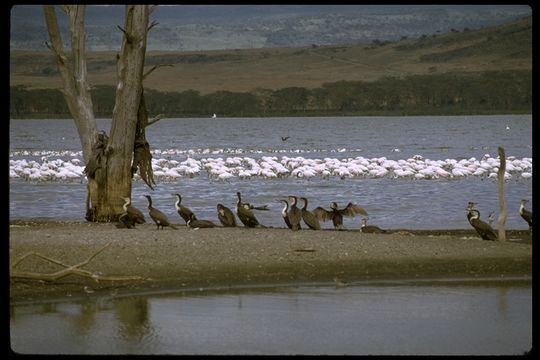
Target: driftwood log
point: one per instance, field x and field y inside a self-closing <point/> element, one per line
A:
<point x="68" y="270"/>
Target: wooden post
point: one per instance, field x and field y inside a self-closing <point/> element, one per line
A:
<point x="502" y="202"/>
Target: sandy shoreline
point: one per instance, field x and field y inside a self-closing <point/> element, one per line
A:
<point x="222" y="257"/>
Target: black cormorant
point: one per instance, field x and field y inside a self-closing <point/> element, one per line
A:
<point x="131" y="214"/>
<point x="370" y="229"/>
<point x="194" y="223"/>
<point x="294" y="214"/>
<point x="183" y="211"/>
<point x="246" y="216"/>
<point x="483" y="229"/>
<point x="337" y="214"/>
<point x="525" y="214"/>
<point x="159" y="218"/>
<point x="284" y="213"/>
<point x="226" y="216"/>
<point x="309" y="218"/>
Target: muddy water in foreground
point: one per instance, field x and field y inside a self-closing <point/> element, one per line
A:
<point x="394" y="318"/>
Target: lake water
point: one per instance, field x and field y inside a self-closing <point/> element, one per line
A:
<point x="443" y="319"/>
<point x="392" y="202"/>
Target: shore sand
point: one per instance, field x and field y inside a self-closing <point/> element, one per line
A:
<point x="235" y="257"/>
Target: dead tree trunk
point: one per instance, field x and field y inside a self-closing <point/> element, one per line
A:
<point x="502" y="201"/>
<point x="108" y="159"/>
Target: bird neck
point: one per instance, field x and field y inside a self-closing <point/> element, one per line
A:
<point x="177" y="203"/>
<point x="305" y="204"/>
<point x="126" y="203"/>
<point x="474" y="215"/>
<point x="285" y="207"/>
<point x="521" y="208"/>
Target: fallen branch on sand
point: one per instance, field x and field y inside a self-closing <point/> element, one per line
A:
<point x="69" y="270"/>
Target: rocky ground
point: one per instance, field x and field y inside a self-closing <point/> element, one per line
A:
<point x="229" y="257"/>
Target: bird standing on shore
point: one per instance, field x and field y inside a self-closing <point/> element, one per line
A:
<point x="309" y="218"/>
<point x="159" y="218"/>
<point x="370" y="229"/>
<point x="131" y="214"/>
<point x="284" y="213"/>
<point x="194" y="223"/>
<point x="483" y="229"/>
<point x="183" y="211"/>
<point x="336" y="215"/>
<point x="226" y="216"/>
<point x="294" y="214"/>
<point x="525" y="214"/>
<point x="246" y="216"/>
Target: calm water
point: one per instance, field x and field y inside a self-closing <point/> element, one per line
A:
<point x="391" y="319"/>
<point x="391" y="203"/>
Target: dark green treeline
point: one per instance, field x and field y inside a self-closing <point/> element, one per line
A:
<point x="491" y="92"/>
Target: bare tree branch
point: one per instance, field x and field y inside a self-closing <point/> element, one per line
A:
<point x="154" y="23"/>
<point x="68" y="269"/>
<point x="154" y="68"/>
<point x="155" y="119"/>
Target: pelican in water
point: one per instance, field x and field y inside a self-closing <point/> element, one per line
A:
<point x="336" y="215"/>
<point x="159" y="218"/>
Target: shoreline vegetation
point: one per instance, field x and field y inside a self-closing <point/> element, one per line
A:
<point x="233" y="258"/>
<point x="482" y="93"/>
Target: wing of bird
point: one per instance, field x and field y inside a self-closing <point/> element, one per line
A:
<point x="322" y="213"/>
<point x="353" y="209"/>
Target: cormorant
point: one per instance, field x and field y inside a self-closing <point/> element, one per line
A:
<point x="370" y="229"/>
<point x="337" y="214"/>
<point x="525" y="214"/>
<point x="183" y="211"/>
<point x="246" y="216"/>
<point x="194" y="223"/>
<point x="131" y="214"/>
<point x="284" y="213"/>
<point x="309" y="218"/>
<point x="491" y="217"/>
<point x="294" y="214"/>
<point x="159" y="218"/>
<point x="483" y="229"/>
<point x="284" y="138"/>
<point x="226" y="216"/>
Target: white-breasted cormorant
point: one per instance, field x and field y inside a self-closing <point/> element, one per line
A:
<point x="246" y="216"/>
<point x="370" y="229"/>
<point x="194" y="223"/>
<point x="159" y="218"/>
<point x="309" y="218"/>
<point x="131" y="214"/>
<point x="294" y="214"/>
<point x="337" y="214"/>
<point x="525" y="214"/>
<point x="183" y="211"/>
<point x="226" y="216"/>
<point x="483" y="229"/>
<point x="284" y="213"/>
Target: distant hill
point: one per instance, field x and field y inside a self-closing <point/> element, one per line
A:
<point x="213" y="27"/>
<point x="504" y="47"/>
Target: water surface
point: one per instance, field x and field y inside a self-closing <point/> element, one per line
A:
<point x="391" y="203"/>
<point x="353" y="320"/>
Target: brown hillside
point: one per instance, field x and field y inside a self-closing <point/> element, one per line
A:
<point x="505" y="47"/>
